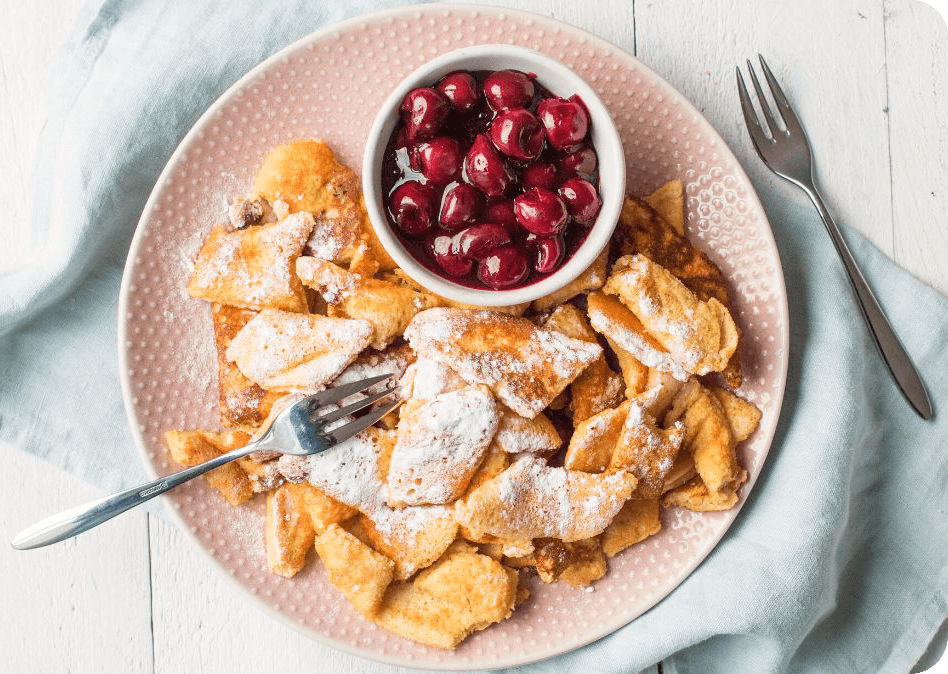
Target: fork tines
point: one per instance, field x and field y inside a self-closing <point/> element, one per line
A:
<point x="785" y="114"/>
<point x="339" y="393"/>
<point x="353" y="407"/>
<point x="343" y="433"/>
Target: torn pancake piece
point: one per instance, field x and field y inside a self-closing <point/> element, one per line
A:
<point x="189" y="448"/>
<point x="461" y="593"/>
<point x="243" y="404"/>
<point x="594" y="440"/>
<point x="288" y="532"/>
<point x="634" y="372"/>
<point x="647" y="451"/>
<point x="253" y="268"/>
<point x="285" y="351"/>
<point x="517" y="434"/>
<point x="525" y="366"/>
<point x="389" y="307"/>
<point x="355" y="569"/>
<point x="707" y="436"/>
<point x="532" y="500"/>
<point x="598" y="387"/>
<point x="440" y="446"/>
<point x="700" y="336"/>
<point x="638" y="519"/>
<point x="625" y="332"/>
<point x="353" y="474"/>
<point x="412" y="537"/>
<point x="743" y="417"/>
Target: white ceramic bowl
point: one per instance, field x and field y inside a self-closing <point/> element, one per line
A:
<point x="561" y="81"/>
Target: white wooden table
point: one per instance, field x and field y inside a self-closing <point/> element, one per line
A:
<point x="868" y="77"/>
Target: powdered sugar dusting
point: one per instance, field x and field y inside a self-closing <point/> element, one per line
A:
<point x="427" y="378"/>
<point x="532" y="500"/>
<point x="524" y="365"/>
<point x="333" y="282"/>
<point x="517" y="434"/>
<point x="332" y="234"/>
<point x="439" y="446"/>
<point x="350" y="473"/>
<point x="405" y="525"/>
<point x="297" y="352"/>
<point x="646" y="451"/>
<point x="635" y="344"/>
<point x="247" y="526"/>
<point x="347" y="472"/>
<point x="251" y="267"/>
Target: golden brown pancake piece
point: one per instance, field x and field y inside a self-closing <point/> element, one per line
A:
<point x="644" y="231"/>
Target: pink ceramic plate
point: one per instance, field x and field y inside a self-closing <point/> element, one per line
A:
<point x="329" y="86"/>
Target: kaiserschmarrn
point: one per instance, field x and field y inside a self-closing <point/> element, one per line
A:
<point x="541" y="439"/>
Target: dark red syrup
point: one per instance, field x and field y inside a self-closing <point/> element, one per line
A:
<point x="490" y="180"/>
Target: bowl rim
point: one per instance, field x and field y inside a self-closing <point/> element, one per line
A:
<point x="607" y="143"/>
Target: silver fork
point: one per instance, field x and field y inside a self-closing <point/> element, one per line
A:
<point x="297" y="430"/>
<point x="787" y="153"/>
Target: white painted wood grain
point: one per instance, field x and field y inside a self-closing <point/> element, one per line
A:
<point x="612" y="20"/>
<point x="830" y="60"/>
<point x="83" y="605"/>
<point x="917" y="76"/>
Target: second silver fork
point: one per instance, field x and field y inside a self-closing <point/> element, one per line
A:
<point x="787" y="153"/>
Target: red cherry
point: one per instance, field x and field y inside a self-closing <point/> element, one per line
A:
<point x="424" y="111"/>
<point x="577" y="99"/>
<point x="400" y="139"/>
<point x="502" y="213"/>
<point x="504" y="267"/>
<point x="460" y="205"/>
<point x="412" y="205"/>
<point x="566" y="122"/>
<point x="485" y="168"/>
<point x="517" y="133"/>
<point x="508" y="89"/>
<point x="479" y="240"/>
<point x="540" y="211"/>
<point x="461" y="89"/>
<point x="581" y="199"/>
<point x="538" y="175"/>
<point x="548" y="252"/>
<point x="582" y="163"/>
<point x="440" y="160"/>
<point x="443" y="252"/>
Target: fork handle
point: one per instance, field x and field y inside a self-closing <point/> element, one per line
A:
<point x="74" y="521"/>
<point x="897" y="360"/>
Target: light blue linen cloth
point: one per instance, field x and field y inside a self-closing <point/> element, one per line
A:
<point x="839" y="560"/>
